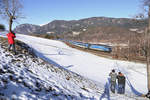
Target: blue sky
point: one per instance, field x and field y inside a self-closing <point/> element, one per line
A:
<point x="43" y="11"/>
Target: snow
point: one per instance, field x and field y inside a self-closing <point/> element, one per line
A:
<point x="90" y="66"/>
<point x="26" y="77"/>
<point x="97" y="68"/>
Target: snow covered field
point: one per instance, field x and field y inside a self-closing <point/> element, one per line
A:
<point x="88" y="65"/>
<point x="26" y="77"/>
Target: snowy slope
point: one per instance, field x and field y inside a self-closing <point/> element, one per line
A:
<point x="25" y="76"/>
<point x="85" y="64"/>
<point x="90" y="66"/>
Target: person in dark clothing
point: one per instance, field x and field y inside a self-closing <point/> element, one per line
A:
<point x="121" y="83"/>
<point x="11" y="36"/>
<point x="113" y="76"/>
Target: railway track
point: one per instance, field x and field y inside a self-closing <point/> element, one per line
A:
<point x="106" y="54"/>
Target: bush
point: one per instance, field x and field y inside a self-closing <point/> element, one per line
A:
<point x="49" y="36"/>
<point x="2" y="27"/>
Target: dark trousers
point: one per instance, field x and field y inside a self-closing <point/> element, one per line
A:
<point x="113" y="86"/>
<point x="121" y="88"/>
<point x="13" y="46"/>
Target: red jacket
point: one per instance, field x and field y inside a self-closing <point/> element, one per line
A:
<point x="11" y="37"/>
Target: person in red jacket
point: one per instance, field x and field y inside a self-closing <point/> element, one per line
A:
<point x="11" y="36"/>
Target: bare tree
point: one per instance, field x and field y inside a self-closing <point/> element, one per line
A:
<point x="146" y="3"/>
<point x="11" y="10"/>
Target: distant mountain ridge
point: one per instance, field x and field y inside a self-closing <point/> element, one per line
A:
<point x="27" y="28"/>
<point x="62" y="26"/>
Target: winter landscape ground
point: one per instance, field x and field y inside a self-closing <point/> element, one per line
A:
<point x="59" y="72"/>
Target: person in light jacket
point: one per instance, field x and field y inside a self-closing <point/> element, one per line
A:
<point x="113" y="76"/>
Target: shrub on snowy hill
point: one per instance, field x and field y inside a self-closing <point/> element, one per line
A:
<point x="2" y="27"/>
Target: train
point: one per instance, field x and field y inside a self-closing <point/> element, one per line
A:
<point x="99" y="47"/>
